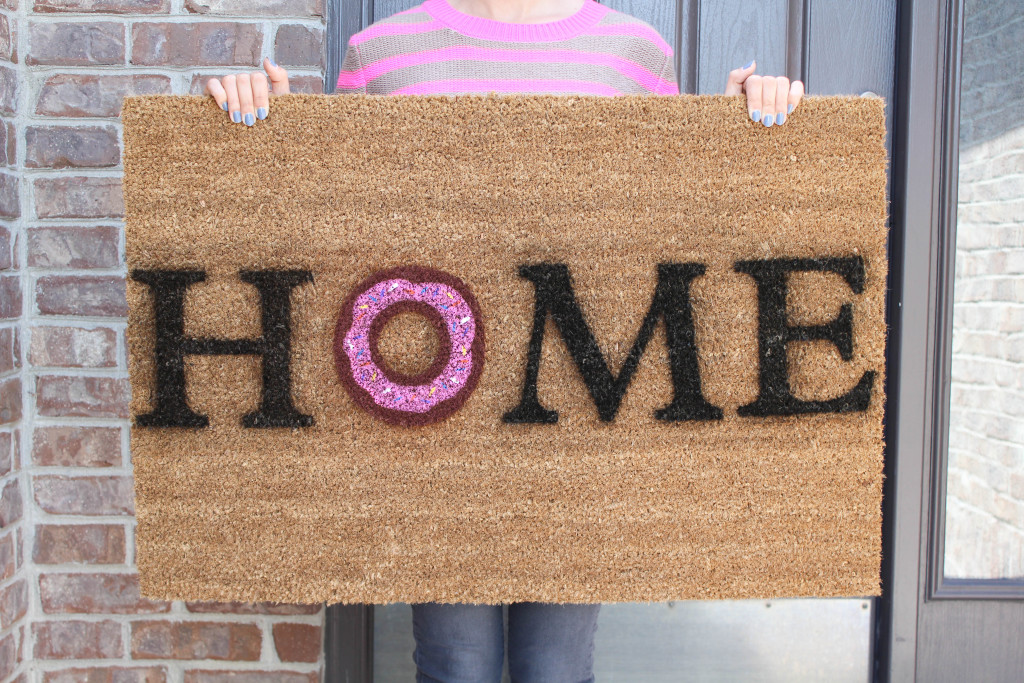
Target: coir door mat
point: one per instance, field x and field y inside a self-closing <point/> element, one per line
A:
<point x="493" y="349"/>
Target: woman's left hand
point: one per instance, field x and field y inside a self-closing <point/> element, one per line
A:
<point x="770" y="99"/>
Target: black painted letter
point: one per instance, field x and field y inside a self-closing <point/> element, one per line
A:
<point x="775" y="333"/>
<point x="274" y="346"/>
<point x="554" y="294"/>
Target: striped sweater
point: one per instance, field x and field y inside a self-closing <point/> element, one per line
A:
<point x="434" y="48"/>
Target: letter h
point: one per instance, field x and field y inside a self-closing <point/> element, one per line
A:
<point x="273" y="346"/>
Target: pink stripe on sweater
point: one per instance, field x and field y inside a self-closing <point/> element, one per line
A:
<point x="637" y="30"/>
<point x="510" y="85"/>
<point x="378" y="30"/>
<point x="358" y="78"/>
<point x="588" y="15"/>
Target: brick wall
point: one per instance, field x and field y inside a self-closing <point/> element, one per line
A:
<point x="70" y="608"/>
<point x="985" y="504"/>
<point x="15" y="506"/>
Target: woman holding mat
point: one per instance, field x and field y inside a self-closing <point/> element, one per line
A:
<point x="506" y="46"/>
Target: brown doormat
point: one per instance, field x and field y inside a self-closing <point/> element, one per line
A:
<point x="506" y="348"/>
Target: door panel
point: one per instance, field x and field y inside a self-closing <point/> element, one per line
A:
<point x="754" y="641"/>
<point x="965" y="623"/>
<point x="733" y="33"/>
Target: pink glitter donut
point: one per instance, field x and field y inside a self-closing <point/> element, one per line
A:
<point x="441" y="389"/>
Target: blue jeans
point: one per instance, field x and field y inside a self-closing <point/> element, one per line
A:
<point x="461" y="643"/>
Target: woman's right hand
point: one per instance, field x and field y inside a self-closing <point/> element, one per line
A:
<point x="246" y="97"/>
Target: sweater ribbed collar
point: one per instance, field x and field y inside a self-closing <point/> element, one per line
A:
<point x="492" y="29"/>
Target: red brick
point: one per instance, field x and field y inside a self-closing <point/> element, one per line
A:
<point x="195" y="640"/>
<point x="67" y="43"/>
<point x="10" y="204"/>
<point x="77" y="639"/>
<point x="7" y="559"/>
<point x="73" y="347"/>
<point x="10" y="504"/>
<point x="71" y="146"/>
<point x="298" y="642"/>
<point x="9" y="659"/>
<point x="8" y="361"/>
<point x="99" y="295"/>
<point x="95" y="594"/>
<point x="104" y="6"/>
<point x="8" y="40"/>
<point x="280" y="608"/>
<point x="6" y="452"/>
<point x="250" y="677"/>
<point x="6" y="260"/>
<point x="74" y="247"/>
<point x="61" y="495"/>
<point x="310" y="85"/>
<point x="13" y="602"/>
<point x="88" y="95"/>
<point x="81" y="396"/>
<point x="196" y="44"/>
<point x="77" y="447"/>
<point x="78" y="197"/>
<point x="10" y="297"/>
<point x="8" y="90"/>
<point x="107" y="674"/>
<point x="9" y="4"/>
<point x="297" y="45"/>
<point x="248" y="8"/>
<point x="79" y="543"/>
<point x="10" y="400"/>
<point x="198" y="84"/>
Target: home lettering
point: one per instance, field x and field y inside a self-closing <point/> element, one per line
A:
<point x="554" y="297"/>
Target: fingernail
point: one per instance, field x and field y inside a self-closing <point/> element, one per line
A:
<point x="236" y="116"/>
<point x="769" y="119"/>
<point x="790" y="110"/>
<point x="749" y="64"/>
<point x="249" y="119"/>
<point x="782" y="119"/>
<point x="755" y="115"/>
<point x="224" y="105"/>
<point x="261" y="113"/>
<point x="272" y="63"/>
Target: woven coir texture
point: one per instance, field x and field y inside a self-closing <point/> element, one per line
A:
<point x="479" y="506"/>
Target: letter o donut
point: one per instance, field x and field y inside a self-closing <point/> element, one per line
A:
<point x="441" y="389"/>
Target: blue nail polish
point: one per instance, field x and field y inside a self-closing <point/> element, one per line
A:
<point x="236" y="116"/>
<point x="224" y="105"/>
<point x="272" y="63"/>
<point x="769" y="119"/>
<point x="790" y="110"/>
<point x="261" y="113"/>
<point x="249" y="119"/>
<point x="755" y="115"/>
<point x="749" y="64"/>
<point x="782" y="119"/>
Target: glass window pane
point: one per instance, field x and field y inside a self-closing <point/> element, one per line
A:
<point x="985" y="483"/>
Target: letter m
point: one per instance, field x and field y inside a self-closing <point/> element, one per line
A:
<point x="554" y="295"/>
